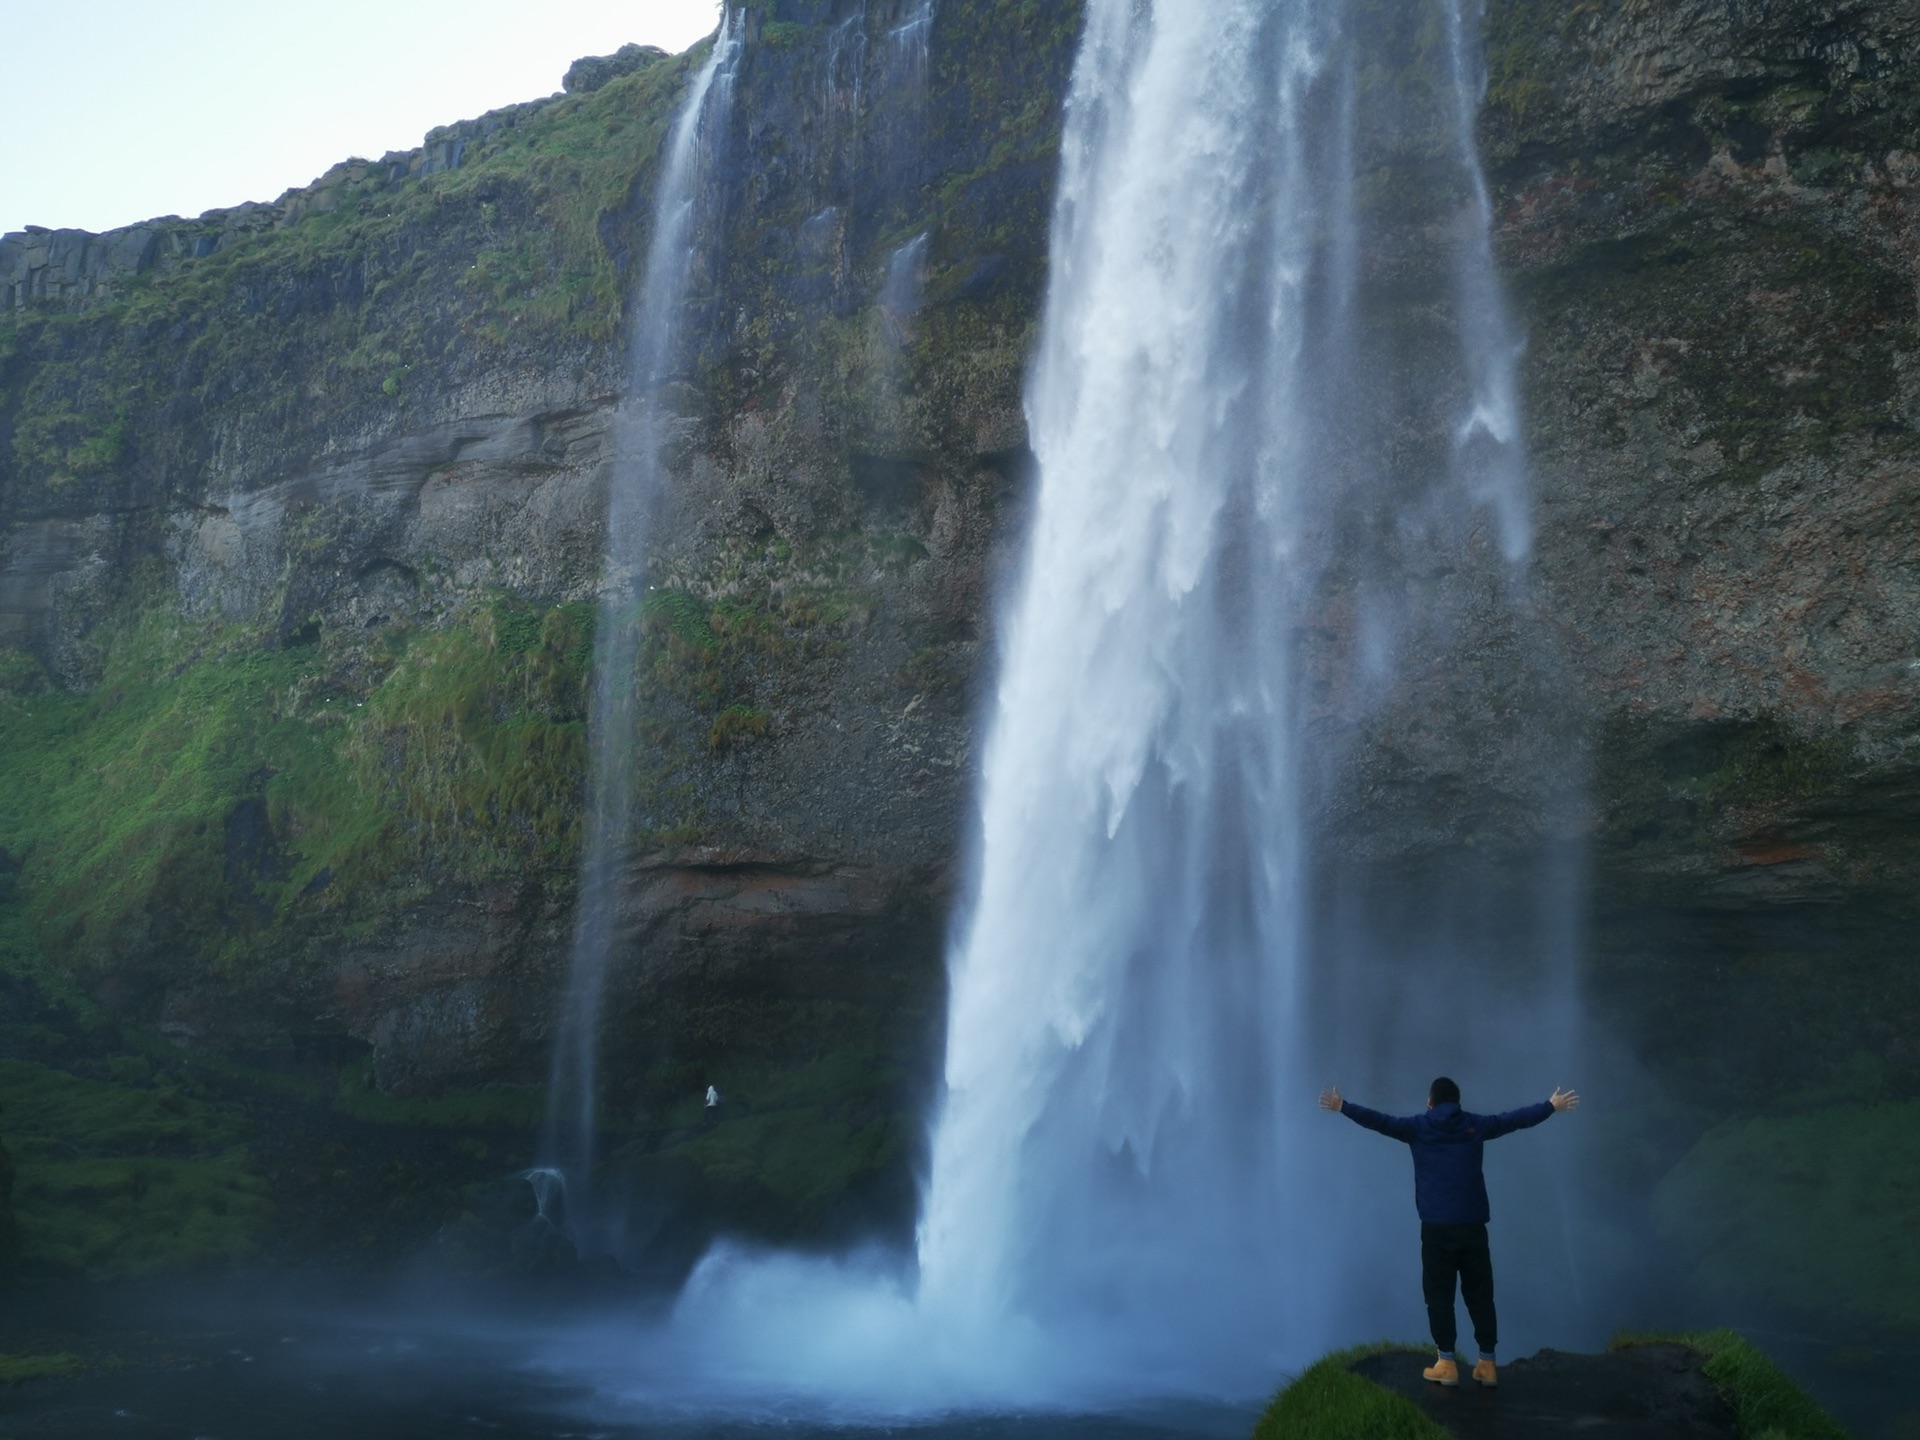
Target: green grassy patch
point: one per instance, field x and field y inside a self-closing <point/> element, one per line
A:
<point x="1768" y="1404"/>
<point x="210" y="789"/>
<point x="119" y="1179"/>
<point x="1329" y="1402"/>
<point x="792" y="1151"/>
<point x="15" y="1369"/>
<point x="518" y="1108"/>
<point x="1812" y="1211"/>
<point x="387" y="288"/>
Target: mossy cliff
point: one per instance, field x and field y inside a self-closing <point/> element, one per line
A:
<point x="303" y="509"/>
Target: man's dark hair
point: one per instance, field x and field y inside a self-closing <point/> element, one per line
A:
<point x="1442" y="1091"/>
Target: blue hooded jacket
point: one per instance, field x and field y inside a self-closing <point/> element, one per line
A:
<point x="1448" y="1186"/>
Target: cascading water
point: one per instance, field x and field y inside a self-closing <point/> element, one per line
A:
<point x="907" y="44"/>
<point x="1129" y="1148"/>
<point x="567" y="1142"/>
<point x="1272" y="513"/>
<point x="1116" y="1154"/>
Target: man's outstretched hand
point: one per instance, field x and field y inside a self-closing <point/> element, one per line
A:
<point x="1562" y="1099"/>
<point x="1330" y="1099"/>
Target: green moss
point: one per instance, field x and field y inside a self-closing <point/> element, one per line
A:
<point x="1813" y="1212"/>
<point x="707" y="658"/>
<point x="1329" y="1402"/>
<point x="327" y="323"/>
<point x="484" y="1107"/>
<point x="792" y="1150"/>
<point x="21" y="674"/>
<point x="210" y="790"/>
<point x="1768" y="1404"/>
<point x="115" y="1179"/>
<point x="16" y="1369"/>
<point x="119" y="800"/>
<point x="735" y="726"/>
<point x="1519" y="38"/>
<point x="479" y="732"/>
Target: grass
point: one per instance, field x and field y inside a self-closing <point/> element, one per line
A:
<point x="346" y="318"/>
<point x="211" y="789"/>
<point x="1801" y="1210"/>
<point x="116" y="1178"/>
<point x="518" y="1108"/>
<point x="1768" y="1404"/>
<point x="16" y="1369"/>
<point x="1329" y="1402"/>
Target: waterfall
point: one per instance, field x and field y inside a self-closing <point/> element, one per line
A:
<point x="1275" y="566"/>
<point x="907" y="45"/>
<point x="1128" y="1150"/>
<point x="1113" y="1150"/>
<point x="567" y="1147"/>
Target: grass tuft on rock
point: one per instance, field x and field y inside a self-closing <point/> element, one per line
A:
<point x="1768" y="1404"/>
<point x="1329" y="1402"/>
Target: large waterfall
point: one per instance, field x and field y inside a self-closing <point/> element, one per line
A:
<point x="1281" y="529"/>
<point x="1142" y="992"/>
<point x="567" y="1143"/>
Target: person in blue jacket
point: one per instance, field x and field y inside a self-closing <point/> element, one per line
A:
<point x="1450" y="1192"/>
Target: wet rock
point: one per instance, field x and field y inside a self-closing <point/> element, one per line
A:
<point x="1647" y="1392"/>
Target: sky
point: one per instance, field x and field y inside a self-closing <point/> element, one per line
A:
<point x="137" y="108"/>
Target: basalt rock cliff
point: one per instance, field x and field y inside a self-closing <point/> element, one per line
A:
<point x="303" y="506"/>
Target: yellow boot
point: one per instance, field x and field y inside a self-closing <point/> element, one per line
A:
<point x="1485" y="1373"/>
<point x="1442" y="1372"/>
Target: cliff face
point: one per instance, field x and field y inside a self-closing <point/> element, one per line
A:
<point x="303" y="509"/>
<point x="1711" y="216"/>
<point x="304" y="535"/>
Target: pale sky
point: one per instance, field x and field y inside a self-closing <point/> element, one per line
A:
<point x="121" y="110"/>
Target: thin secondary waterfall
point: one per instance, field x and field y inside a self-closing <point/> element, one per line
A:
<point x="567" y="1143"/>
<point x="1488" y="437"/>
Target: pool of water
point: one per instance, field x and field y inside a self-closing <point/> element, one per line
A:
<point x="305" y="1360"/>
<point x="221" y="1366"/>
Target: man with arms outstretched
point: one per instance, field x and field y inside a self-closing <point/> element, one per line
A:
<point x="1450" y="1192"/>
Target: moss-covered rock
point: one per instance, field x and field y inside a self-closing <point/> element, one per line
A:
<point x="1712" y="1382"/>
<point x="1809" y="1211"/>
<point x="1327" y="1401"/>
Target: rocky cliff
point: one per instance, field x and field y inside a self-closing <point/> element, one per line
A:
<point x="303" y="505"/>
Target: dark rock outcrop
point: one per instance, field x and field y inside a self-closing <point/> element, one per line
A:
<point x="1647" y="1392"/>
<point x="590" y="72"/>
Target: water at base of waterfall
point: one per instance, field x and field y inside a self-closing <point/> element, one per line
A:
<point x="299" y="1362"/>
<point x="328" y="1357"/>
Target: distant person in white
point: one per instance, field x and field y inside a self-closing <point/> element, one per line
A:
<point x="713" y="1097"/>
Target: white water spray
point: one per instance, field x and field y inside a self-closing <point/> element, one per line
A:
<point x="568" y="1140"/>
<point x="1115" y="1152"/>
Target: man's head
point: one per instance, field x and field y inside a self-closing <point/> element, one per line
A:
<point x="1443" y="1091"/>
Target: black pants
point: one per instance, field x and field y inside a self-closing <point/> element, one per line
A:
<point x="1447" y="1251"/>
